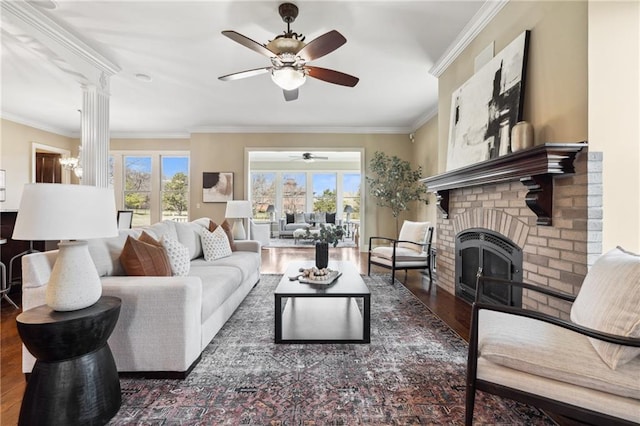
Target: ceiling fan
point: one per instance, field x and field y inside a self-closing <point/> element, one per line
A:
<point x="308" y="157"/>
<point x="289" y="55"/>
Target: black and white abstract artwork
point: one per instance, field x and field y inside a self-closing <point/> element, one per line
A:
<point x="487" y="106"/>
<point x="217" y="187"/>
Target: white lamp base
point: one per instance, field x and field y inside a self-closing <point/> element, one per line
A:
<point x="238" y="230"/>
<point x="74" y="283"/>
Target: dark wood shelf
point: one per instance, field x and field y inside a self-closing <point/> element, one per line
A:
<point x="535" y="168"/>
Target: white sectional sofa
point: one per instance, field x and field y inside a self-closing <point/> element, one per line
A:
<point x="165" y="322"/>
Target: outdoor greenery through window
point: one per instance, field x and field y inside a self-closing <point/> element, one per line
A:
<point x="154" y="185"/>
<point x="351" y="194"/>
<point x="263" y="194"/>
<point x="137" y="189"/>
<point x="296" y="192"/>
<point x="175" y="188"/>
<point x="324" y="192"/>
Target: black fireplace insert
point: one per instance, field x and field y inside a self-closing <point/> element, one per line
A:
<point x="498" y="257"/>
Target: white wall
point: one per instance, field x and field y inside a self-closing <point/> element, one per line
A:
<point x="614" y="116"/>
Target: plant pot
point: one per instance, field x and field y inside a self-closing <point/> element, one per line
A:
<point x="322" y="255"/>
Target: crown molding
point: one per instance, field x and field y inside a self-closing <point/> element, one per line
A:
<point x="50" y="33"/>
<point x="44" y="127"/>
<point x="302" y="129"/>
<point x="487" y="12"/>
<point x="149" y="135"/>
<point x="423" y="120"/>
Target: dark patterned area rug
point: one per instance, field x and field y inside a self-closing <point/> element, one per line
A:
<point x="413" y="372"/>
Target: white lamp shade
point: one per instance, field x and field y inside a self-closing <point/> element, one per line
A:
<point x="238" y="209"/>
<point x="50" y="211"/>
<point x="53" y="211"/>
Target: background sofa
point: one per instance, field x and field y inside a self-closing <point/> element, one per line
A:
<point x="165" y="322"/>
<point x="293" y="221"/>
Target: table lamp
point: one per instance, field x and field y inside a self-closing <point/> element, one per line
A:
<point x="272" y="212"/>
<point x="238" y="210"/>
<point x="72" y="214"/>
<point x="348" y="210"/>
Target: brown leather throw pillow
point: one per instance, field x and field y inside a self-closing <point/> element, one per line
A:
<point x="143" y="259"/>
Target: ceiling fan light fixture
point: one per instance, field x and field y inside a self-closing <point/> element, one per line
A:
<point x="288" y="78"/>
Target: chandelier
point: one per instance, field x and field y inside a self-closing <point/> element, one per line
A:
<point x="73" y="163"/>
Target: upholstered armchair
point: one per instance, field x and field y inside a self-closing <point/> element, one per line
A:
<point x="412" y="249"/>
<point x="586" y="369"/>
<point x="260" y="232"/>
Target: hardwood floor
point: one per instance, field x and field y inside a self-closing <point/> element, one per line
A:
<point x="274" y="261"/>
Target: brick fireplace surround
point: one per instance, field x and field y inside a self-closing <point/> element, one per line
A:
<point x="555" y="256"/>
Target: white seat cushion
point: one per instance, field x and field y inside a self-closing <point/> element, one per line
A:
<point x="403" y="254"/>
<point x="543" y="349"/>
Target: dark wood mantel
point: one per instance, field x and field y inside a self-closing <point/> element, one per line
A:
<point x="535" y="168"/>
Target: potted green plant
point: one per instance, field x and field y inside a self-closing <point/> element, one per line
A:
<point x="327" y="234"/>
<point x="395" y="184"/>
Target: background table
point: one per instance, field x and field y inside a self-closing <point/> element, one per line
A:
<point x="74" y="380"/>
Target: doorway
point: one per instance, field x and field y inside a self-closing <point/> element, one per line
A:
<point x="48" y="169"/>
<point x="45" y="164"/>
<point x="281" y="182"/>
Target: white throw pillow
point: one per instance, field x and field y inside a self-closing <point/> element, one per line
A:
<point x="178" y="254"/>
<point x="215" y="245"/>
<point x="609" y="301"/>
<point x="413" y="231"/>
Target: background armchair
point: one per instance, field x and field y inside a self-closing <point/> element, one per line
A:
<point x="586" y="369"/>
<point x="410" y="251"/>
<point x="260" y="232"/>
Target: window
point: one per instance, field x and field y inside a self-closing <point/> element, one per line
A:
<point x="351" y="194"/>
<point x="175" y="188"/>
<point x="324" y="192"/>
<point x="155" y="185"/>
<point x="263" y="194"/>
<point x="294" y="192"/>
<point x="137" y="188"/>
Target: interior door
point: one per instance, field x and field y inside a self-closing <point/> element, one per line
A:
<point x="48" y="169"/>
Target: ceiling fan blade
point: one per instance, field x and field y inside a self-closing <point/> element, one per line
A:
<point x="290" y="95"/>
<point x="244" y="74"/>
<point x="322" y="45"/>
<point x="247" y="42"/>
<point x="331" y="76"/>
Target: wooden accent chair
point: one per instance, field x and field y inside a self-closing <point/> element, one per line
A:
<point x="586" y="369"/>
<point x="412" y="250"/>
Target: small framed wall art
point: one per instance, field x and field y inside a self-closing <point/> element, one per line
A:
<point x="217" y="187"/>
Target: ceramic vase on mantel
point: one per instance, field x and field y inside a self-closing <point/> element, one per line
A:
<point x="521" y="136"/>
<point x="322" y="255"/>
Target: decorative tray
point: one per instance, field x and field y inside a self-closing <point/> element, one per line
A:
<point x="326" y="280"/>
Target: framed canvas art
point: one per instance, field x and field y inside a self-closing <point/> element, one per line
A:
<point x="217" y="187"/>
<point x="487" y="106"/>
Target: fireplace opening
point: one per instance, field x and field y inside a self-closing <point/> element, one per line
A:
<point x="498" y="256"/>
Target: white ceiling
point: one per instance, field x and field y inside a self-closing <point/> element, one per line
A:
<point x="391" y="46"/>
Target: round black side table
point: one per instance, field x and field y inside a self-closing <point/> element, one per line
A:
<point x="74" y="380"/>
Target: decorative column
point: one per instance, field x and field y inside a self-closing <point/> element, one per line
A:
<point x="95" y="133"/>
